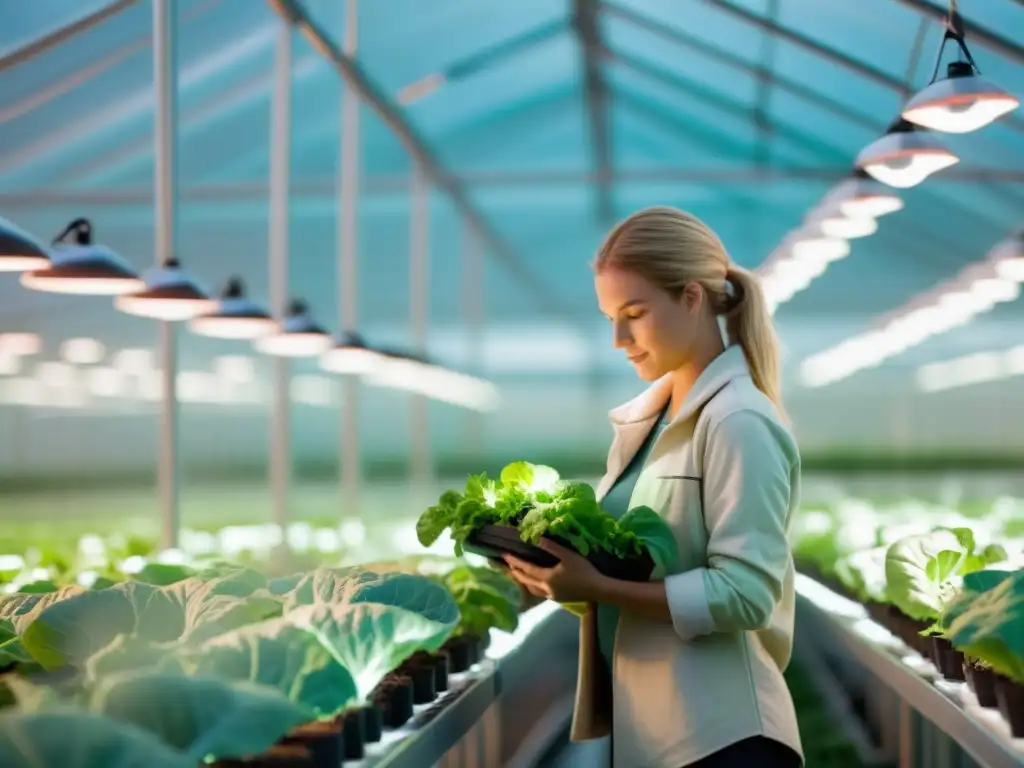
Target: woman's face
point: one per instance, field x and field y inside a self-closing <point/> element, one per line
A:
<point x="655" y="330"/>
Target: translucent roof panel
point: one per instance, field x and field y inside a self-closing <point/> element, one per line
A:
<point x="745" y="112"/>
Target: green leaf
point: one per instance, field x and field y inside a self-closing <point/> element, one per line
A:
<point x="42" y="586"/>
<point x="991" y="626"/>
<point x="278" y="654"/>
<point x="923" y="571"/>
<point x="654" y="534"/>
<point x="161" y="574"/>
<point x="201" y="717"/>
<point x="517" y="473"/>
<point x="78" y="740"/>
<point x="973" y="585"/>
<point x="72" y="630"/>
<point x="368" y="639"/>
<point x="433" y="522"/>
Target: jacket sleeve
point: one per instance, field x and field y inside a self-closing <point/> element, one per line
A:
<point x="747" y="477"/>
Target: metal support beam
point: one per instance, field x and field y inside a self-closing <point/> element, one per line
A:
<point x="793" y="87"/>
<point x="350" y="469"/>
<point x="79" y="77"/>
<point x="280" y="172"/>
<point x="786" y="131"/>
<point x="419" y="319"/>
<point x="386" y="185"/>
<point x="165" y="194"/>
<point x="740" y="64"/>
<point x="483" y="59"/>
<point x="295" y="13"/>
<point x="63" y="34"/>
<point x="995" y="42"/>
<point x="592" y="49"/>
<point x="762" y="105"/>
<point x="854" y="65"/>
<point x="473" y="287"/>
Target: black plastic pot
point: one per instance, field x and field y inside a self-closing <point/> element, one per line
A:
<point x="496" y="540"/>
<point x="323" y="740"/>
<point x="423" y="677"/>
<point x="282" y="756"/>
<point x="373" y="723"/>
<point x="394" y="697"/>
<point x="441" y="673"/>
<point x="458" y="652"/>
<point x="982" y="681"/>
<point x="353" y="738"/>
<point x="1010" y="698"/>
<point x="948" y="660"/>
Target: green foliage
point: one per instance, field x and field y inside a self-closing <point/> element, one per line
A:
<point x="534" y="499"/>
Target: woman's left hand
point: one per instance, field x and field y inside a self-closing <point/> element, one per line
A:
<point x="573" y="580"/>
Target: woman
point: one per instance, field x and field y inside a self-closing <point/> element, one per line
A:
<point x="686" y="669"/>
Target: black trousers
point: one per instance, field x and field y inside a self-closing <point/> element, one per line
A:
<point x="755" y="752"/>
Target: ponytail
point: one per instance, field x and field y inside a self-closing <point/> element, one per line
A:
<point x="749" y="324"/>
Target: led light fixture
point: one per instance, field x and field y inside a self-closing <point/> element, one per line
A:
<point x="19" y="251"/>
<point x="169" y="294"/>
<point x="905" y="156"/>
<point x="79" y="266"/>
<point x="297" y="336"/>
<point x="234" y="317"/>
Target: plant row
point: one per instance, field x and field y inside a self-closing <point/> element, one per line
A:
<point x="177" y="666"/>
<point x="951" y="588"/>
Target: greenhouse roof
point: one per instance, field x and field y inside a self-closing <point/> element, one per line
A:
<point x="555" y="118"/>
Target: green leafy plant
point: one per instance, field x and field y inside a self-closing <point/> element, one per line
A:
<point x="539" y="504"/>
<point x="924" y="571"/>
<point x="81" y="740"/>
<point x="990" y="624"/>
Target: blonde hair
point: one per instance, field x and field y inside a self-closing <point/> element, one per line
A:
<point x="671" y="248"/>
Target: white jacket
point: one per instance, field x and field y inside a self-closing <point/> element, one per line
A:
<point x="683" y="690"/>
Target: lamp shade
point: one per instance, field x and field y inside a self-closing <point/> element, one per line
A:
<point x="1008" y="258"/>
<point x="962" y="102"/>
<point x="169" y="294"/>
<point x="905" y="156"/>
<point x="862" y="197"/>
<point x="19" y="251"/>
<point x="234" y="316"/>
<point x="812" y="245"/>
<point x="832" y="222"/>
<point x="79" y="266"/>
<point x="349" y="354"/>
<point x="297" y="336"/>
<point x="418" y="375"/>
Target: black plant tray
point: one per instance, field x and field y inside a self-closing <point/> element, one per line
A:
<point x="498" y="540"/>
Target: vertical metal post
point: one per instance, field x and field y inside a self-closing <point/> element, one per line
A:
<point x="165" y="198"/>
<point x="419" y="318"/>
<point x="280" y="161"/>
<point x="473" y="316"/>
<point x="350" y="469"/>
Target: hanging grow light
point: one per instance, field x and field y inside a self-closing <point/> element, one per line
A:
<point x="905" y="156"/>
<point x="19" y="251"/>
<point x="234" y="317"/>
<point x="169" y="294"/>
<point x="80" y="266"/>
<point x="350" y="355"/>
<point x="862" y="197"/>
<point x="298" y="335"/>
<point x="963" y="101"/>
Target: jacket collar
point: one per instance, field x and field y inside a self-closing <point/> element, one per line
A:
<point x="729" y="365"/>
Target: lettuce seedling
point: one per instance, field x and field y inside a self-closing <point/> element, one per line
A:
<point x="533" y="498"/>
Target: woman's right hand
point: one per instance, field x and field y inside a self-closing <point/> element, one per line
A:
<point x="529" y="599"/>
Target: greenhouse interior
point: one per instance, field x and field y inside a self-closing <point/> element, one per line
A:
<point x="302" y="312"/>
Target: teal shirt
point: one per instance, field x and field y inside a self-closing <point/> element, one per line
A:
<point x="616" y="504"/>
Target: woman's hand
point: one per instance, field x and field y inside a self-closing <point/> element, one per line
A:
<point x="573" y="580"/>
